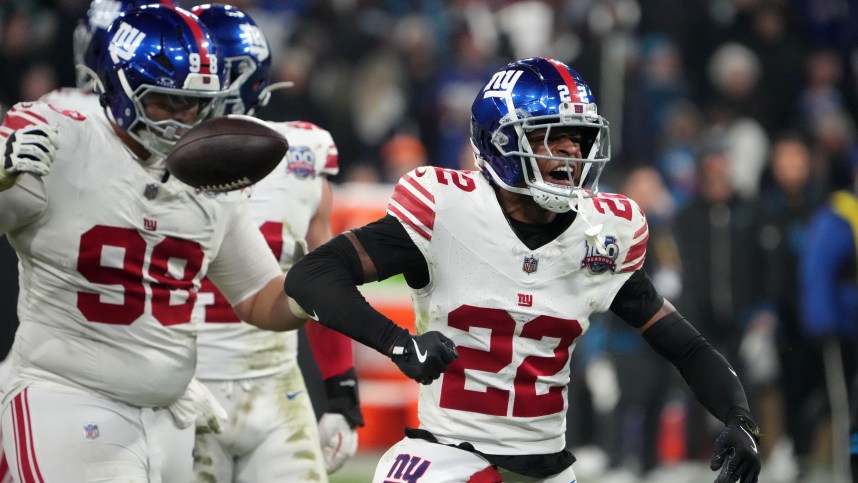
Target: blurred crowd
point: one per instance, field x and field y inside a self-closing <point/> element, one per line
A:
<point x="732" y="122"/>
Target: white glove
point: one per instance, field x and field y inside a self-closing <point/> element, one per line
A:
<point x="339" y="440"/>
<point x="30" y="149"/>
<point x="199" y="406"/>
<point x="211" y="416"/>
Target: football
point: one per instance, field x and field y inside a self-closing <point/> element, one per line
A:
<point x="226" y="153"/>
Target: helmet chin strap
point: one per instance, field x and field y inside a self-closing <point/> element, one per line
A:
<point x="593" y="232"/>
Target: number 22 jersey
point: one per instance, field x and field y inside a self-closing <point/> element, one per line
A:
<point x="514" y="313"/>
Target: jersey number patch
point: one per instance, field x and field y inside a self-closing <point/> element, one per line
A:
<point x="501" y="326"/>
<point x="117" y="256"/>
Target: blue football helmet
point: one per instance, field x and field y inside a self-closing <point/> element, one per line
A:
<point x="161" y="55"/>
<point x="91" y="31"/>
<point x="245" y="54"/>
<point x="529" y="95"/>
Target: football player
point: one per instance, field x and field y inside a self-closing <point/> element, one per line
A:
<point x="506" y="265"/>
<point x="112" y="251"/>
<point x="272" y="433"/>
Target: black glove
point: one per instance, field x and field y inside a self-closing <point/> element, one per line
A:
<point x="342" y="392"/>
<point x="737" y="449"/>
<point x="423" y="357"/>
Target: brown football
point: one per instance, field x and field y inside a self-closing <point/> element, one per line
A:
<point x="226" y="153"/>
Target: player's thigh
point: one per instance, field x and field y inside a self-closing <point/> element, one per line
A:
<point x="290" y="449"/>
<point x="52" y="435"/>
<point x="412" y="460"/>
<point x="171" y="449"/>
<point x="212" y="462"/>
<point x="213" y="458"/>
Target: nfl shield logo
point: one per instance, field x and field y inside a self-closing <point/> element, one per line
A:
<point x="151" y="191"/>
<point x="91" y="431"/>
<point x="530" y="264"/>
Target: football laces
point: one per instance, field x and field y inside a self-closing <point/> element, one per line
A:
<point x="231" y="186"/>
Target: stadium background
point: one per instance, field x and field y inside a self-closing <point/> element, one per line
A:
<point x="679" y="80"/>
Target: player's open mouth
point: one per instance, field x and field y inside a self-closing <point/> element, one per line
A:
<point x="562" y="176"/>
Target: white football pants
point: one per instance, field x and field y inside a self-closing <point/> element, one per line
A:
<point x="71" y="436"/>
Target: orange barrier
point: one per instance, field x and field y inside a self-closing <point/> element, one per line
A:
<point x="388" y="398"/>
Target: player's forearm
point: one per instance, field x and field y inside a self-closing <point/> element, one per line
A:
<point x="22" y="203"/>
<point x="325" y="282"/>
<point x="710" y="377"/>
<point x="269" y="308"/>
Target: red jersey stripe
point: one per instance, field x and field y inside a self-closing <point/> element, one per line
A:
<point x="402" y="217"/>
<point x="412" y="204"/>
<point x="635" y="266"/>
<point x="5" y="474"/>
<point x="33" y="463"/>
<point x="423" y="191"/>
<point x="15" y="121"/>
<point x="641" y="231"/>
<point x="637" y="250"/>
<point x="27" y="112"/>
<point x="25" y="475"/>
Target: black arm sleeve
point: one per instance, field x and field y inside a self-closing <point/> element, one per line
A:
<point x="393" y="252"/>
<point x="324" y="282"/>
<point x="637" y="301"/>
<point x="707" y="373"/>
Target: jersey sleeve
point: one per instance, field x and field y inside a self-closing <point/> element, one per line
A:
<point x="627" y="221"/>
<point x="244" y="264"/>
<point x="330" y="162"/>
<point x="325" y="153"/>
<point x="413" y="204"/>
<point x="22" y="203"/>
<point x="26" y="114"/>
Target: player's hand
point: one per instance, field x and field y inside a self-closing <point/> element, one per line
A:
<point x="211" y="417"/>
<point x="30" y="149"/>
<point x="339" y="440"/>
<point x="737" y="450"/>
<point x="423" y="357"/>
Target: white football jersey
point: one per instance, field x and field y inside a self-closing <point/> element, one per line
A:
<point x="283" y="204"/>
<point x="514" y="313"/>
<point x="109" y="271"/>
<point x="74" y="99"/>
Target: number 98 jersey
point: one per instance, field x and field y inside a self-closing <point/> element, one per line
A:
<point x="514" y="313"/>
<point x="111" y="266"/>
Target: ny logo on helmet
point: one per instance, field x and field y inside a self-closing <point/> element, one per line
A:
<point x="256" y="41"/>
<point x="125" y="42"/>
<point x="502" y="83"/>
